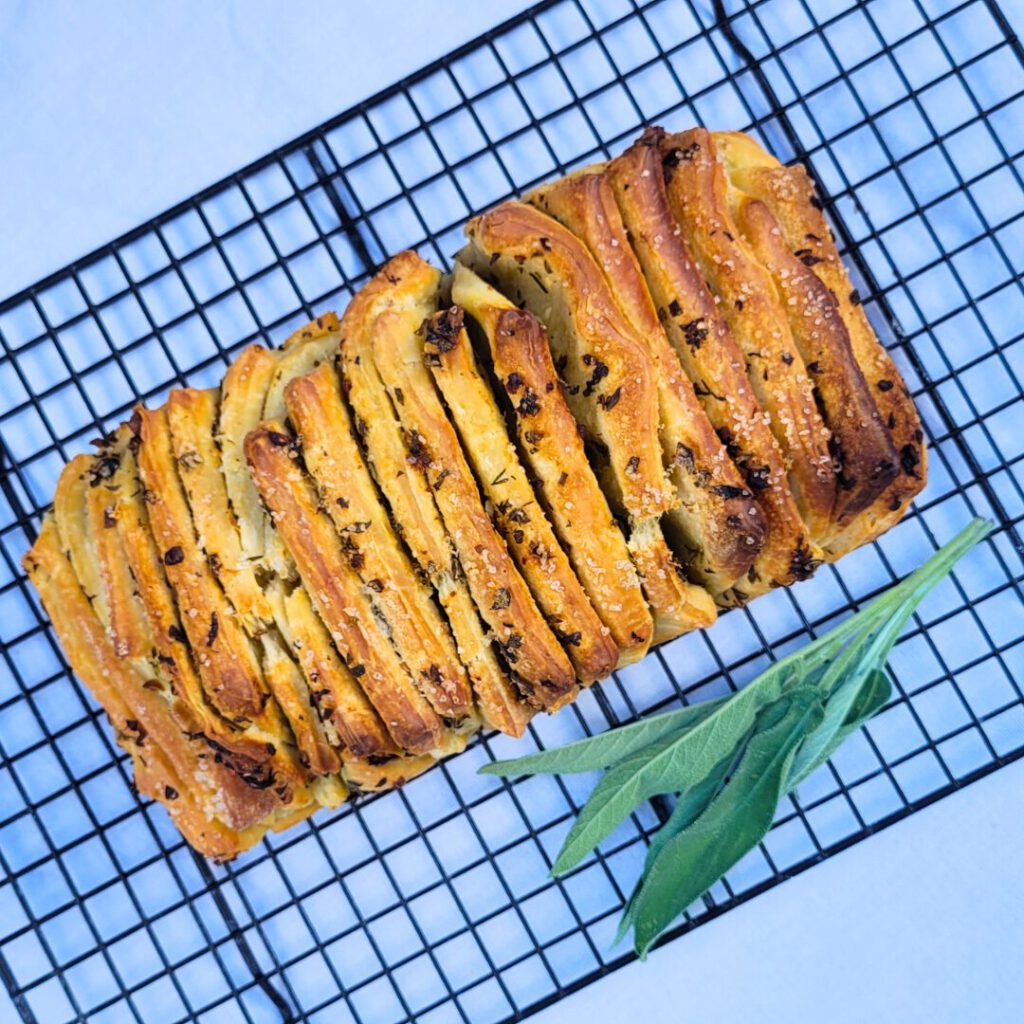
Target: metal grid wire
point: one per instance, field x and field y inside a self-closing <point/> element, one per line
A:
<point x="433" y="904"/>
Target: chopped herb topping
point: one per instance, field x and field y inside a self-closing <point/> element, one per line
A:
<point x="174" y="556"/>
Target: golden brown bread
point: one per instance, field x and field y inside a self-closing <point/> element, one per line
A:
<point x="553" y="450"/>
<point x="350" y="498"/>
<point x="254" y="751"/>
<point x="273" y="621"/>
<point x="865" y="459"/>
<point x="788" y="193"/>
<point x="216" y="808"/>
<point x="713" y="361"/>
<point x="543" y="671"/>
<point x="611" y="387"/>
<point x="192" y="417"/>
<point x="229" y="665"/>
<point x="411" y="502"/>
<point x="332" y="704"/>
<point x="514" y="507"/>
<point x="717" y="526"/>
<point x="336" y="591"/>
<point x="698" y="194"/>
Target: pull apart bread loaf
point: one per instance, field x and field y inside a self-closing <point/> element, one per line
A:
<point x="647" y="390"/>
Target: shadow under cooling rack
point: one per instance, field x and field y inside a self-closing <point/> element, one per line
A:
<point x="433" y="904"/>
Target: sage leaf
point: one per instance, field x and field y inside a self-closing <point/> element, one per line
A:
<point x="690" y="804"/>
<point x="597" y="752"/>
<point x="669" y="765"/>
<point x="871" y="696"/>
<point x="737" y="818"/>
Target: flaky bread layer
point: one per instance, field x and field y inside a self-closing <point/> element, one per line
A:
<point x="502" y="597"/>
<point x="553" y="450"/>
<point x="611" y="384"/>
<point x="788" y="192"/>
<point x="717" y="525"/>
<point x="350" y="497"/>
<point x="865" y="458"/>
<point x="715" y="365"/>
<point x="516" y="512"/>
<point x="407" y="285"/>
<point x="336" y="592"/>
<point x="698" y="195"/>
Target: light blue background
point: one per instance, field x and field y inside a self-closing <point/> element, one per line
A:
<point x="111" y="112"/>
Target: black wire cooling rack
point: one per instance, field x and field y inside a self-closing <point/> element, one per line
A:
<point x="433" y="904"/>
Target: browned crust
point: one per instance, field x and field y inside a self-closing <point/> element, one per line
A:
<point x="325" y="324"/>
<point x="865" y="457"/>
<point x="313" y="543"/>
<point x="335" y="463"/>
<point x="200" y="794"/>
<point x="406" y="282"/>
<point x="520" y="519"/>
<point x="713" y="362"/>
<point x="192" y="416"/>
<point x="229" y="666"/>
<point x="252" y="750"/>
<point x="610" y="385"/>
<point x="553" y="450"/>
<point x="250" y="678"/>
<point x="698" y="195"/>
<point x="788" y="192"/>
<point x="717" y="525"/>
<point x="502" y="597"/>
<point x="335" y="693"/>
<point x="611" y="382"/>
<point x="267" y="563"/>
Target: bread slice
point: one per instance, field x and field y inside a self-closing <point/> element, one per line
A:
<point x="348" y="494"/>
<point x="552" y="450"/>
<point x="865" y="458"/>
<point x="543" y="671"/>
<point x="228" y="662"/>
<point x="717" y="527"/>
<point x="714" y="363"/>
<point x="521" y="521"/>
<point x="253" y="383"/>
<point x="217" y="811"/>
<point x="698" y="195"/>
<point x="611" y="387"/>
<point x="414" y="513"/>
<point x="336" y="591"/>
<point x="788" y="193"/>
<point x="192" y="417"/>
<point x="126" y="543"/>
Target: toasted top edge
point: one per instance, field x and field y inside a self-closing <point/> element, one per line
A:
<point x="313" y="543"/>
<point x="718" y="523"/>
<point x="553" y="449"/>
<point x="611" y="382"/>
<point x="789" y="194"/>
<point x="520" y="519"/>
<point x="865" y="457"/>
<point x="714" y="363"/>
<point x="698" y="193"/>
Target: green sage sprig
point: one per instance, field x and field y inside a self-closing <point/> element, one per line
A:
<point x="728" y="762"/>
